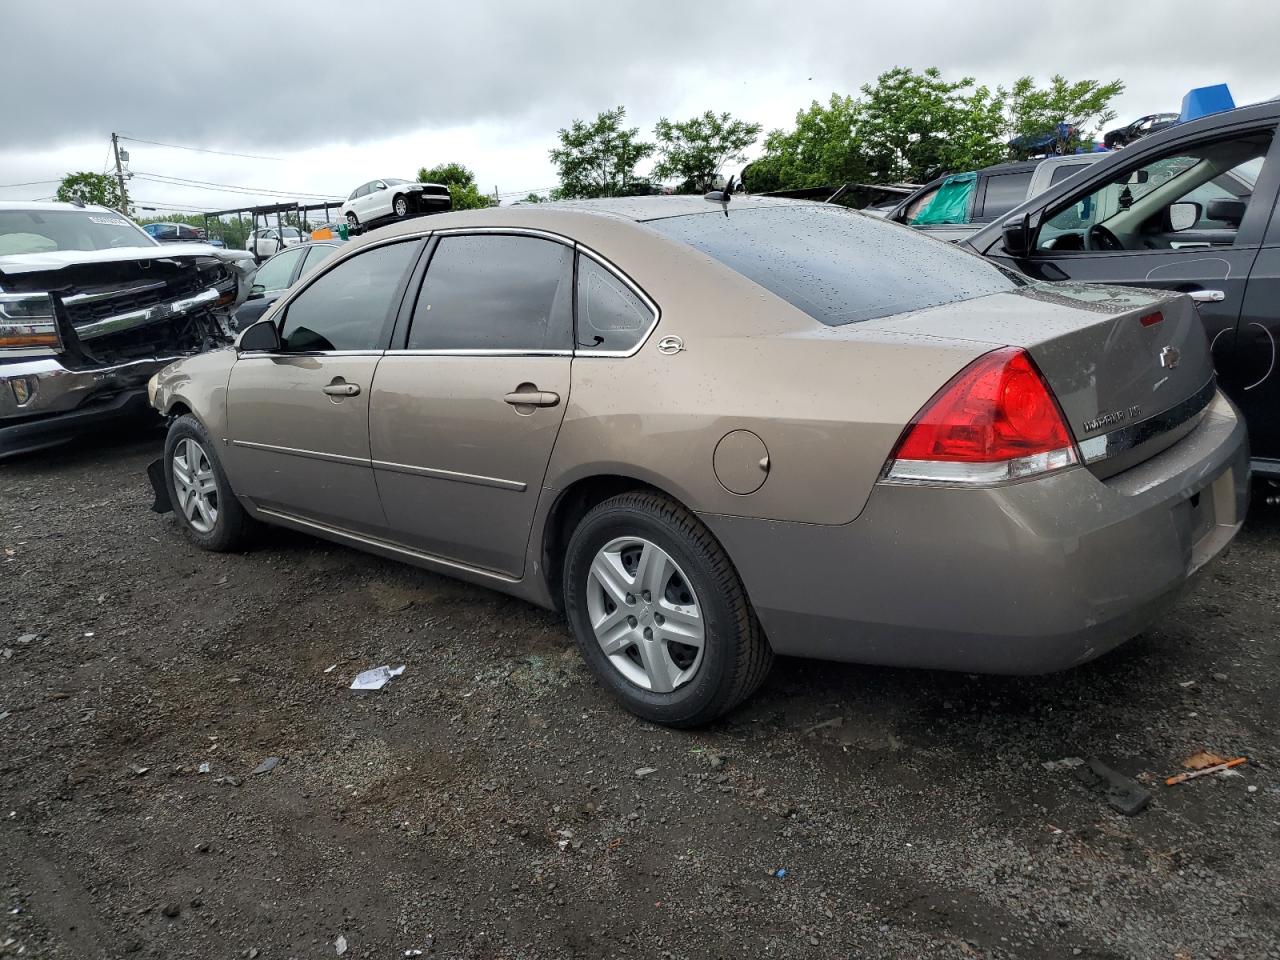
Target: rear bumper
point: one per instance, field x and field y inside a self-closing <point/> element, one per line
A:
<point x="63" y="402"/>
<point x="1025" y="578"/>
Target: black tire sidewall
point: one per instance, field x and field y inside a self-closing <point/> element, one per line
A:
<point x="226" y="527"/>
<point x="693" y="700"/>
<point x="395" y="206"/>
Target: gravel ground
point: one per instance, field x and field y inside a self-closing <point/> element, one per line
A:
<point x="491" y="802"/>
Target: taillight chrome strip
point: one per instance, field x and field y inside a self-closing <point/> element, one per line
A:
<point x="1134" y="435"/>
<point x="979" y="474"/>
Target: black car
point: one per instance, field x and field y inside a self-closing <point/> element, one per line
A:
<point x="1187" y="209"/>
<point x="278" y="273"/>
<point x="1142" y="127"/>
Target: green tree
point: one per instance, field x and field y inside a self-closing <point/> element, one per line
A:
<point x="915" y="126"/>
<point x="100" y="188"/>
<point x="598" y="159"/>
<point x="693" y="151"/>
<point x="533" y="198"/>
<point x="461" y="181"/>
<point x="823" y="148"/>
<point x="1031" y="110"/>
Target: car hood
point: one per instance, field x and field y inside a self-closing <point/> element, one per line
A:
<point x="18" y="263"/>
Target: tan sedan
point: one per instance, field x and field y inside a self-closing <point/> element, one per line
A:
<point x="711" y="432"/>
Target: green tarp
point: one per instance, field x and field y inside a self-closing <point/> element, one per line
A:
<point x="951" y="203"/>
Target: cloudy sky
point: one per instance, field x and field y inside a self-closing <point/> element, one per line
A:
<point x="336" y="93"/>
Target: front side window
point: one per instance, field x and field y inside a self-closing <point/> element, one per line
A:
<point x="275" y="273"/>
<point x="494" y="292"/>
<point x="610" y="316"/>
<point x="1147" y="207"/>
<point x="915" y="206"/>
<point x="350" y="307"/>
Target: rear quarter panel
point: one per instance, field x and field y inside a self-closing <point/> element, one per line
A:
<point x="829" y="403"/>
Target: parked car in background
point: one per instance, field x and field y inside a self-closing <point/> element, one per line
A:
<point x="956" y="206"/>
<point x="90" y="307"/>
<point x="381" y="199"/>
<point x="1143" y="126"/>
<point x="1188" y="209"/>
<point x="271" y="240"/>
<point x="175" y="233"/>
<point x="277" y="274"/>
<point x="892" y="419"/>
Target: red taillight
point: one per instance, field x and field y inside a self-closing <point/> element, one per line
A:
<point x="995" y="420"/>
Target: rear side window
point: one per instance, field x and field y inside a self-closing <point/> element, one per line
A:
<point x="1005" y="192"/>
<point x="837" y="265"/>
<point x="610" y="316"/>
<point x="350" y="307"/>
<point x="275" y="273"/>
<point x="494" y="292"/>
<point x="1066" y="170"/>
<point x="316" y="255"/>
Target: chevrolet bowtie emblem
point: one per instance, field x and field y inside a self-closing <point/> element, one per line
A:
<point x="1170" y="357"/>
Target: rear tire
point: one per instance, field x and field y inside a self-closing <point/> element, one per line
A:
<point x="634" y="644"/>
<point x="353" y="220"/>
<point x="206" y="509"/>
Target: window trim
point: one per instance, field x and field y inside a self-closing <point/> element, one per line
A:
<point x="400" y="334"/>
<point x="281" y="306"/>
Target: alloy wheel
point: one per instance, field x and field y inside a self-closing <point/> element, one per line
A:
<point x="645" y="615"/>
<point x="402" y="206"/>
<point x="195" y="484"/>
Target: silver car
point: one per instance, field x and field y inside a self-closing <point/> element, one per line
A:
<point x="715" y="432"/>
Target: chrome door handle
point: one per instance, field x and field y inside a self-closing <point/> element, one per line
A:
<point x="532" y="398"/>
<point x="343" y="389"/>
<point x="1207" y="296"/>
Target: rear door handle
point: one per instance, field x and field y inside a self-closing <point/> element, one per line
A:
<point x="342" y="389"/>
<point x="1207" y="296"/>
<point x="532" y="398"/>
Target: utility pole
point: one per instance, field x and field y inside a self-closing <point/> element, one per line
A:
<point x="124" y="196"/>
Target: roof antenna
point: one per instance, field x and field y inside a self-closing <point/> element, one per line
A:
<point x="721" y="196"/>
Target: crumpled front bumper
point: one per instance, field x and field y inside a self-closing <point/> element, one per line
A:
<point x="60" y="402"/>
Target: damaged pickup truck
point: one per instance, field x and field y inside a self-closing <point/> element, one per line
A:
<point x="91" y="307"/>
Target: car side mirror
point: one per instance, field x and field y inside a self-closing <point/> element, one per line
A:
<point x="1017" y="235"/>
<point x="262" y="337"/>
<point x="1230" y="211"/>
<point x="1183" y="215"/>
<point x="382" y="186"/>
<point x="257" y="292"/>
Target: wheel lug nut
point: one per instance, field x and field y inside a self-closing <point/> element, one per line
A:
<point x="646" y="596"/>
<point x="659" y="619"/>
<point x="631" y="599"/>
<point x="648" y="634"/>
<point x="631" y="621"/>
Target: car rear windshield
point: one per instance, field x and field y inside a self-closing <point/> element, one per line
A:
<point x="45" y="231"/>
<point x="838" y="265"/>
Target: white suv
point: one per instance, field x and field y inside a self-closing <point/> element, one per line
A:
<point x="382" y="199"/>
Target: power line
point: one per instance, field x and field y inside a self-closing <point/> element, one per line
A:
<point x="231" y="187"/>
<point x="29" y="183"/>
<point x="179" y="146"/>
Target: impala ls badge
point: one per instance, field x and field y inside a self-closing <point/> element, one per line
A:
<point x="1170" y="357"/>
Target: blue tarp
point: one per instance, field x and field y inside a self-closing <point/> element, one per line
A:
<point x="1203" y="101"/>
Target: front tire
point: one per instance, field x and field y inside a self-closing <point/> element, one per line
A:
<point x="659" y="613"/>
<point x="205" y="507"/>
<point x="401" y="206"/>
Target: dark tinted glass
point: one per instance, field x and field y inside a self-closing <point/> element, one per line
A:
<point x="1005" y="192"/>
<point x="1064" y="171"/>
<point x="488" y="292"/>
<point x="610" y="316"/>
<point x="349" y="307"/>
<point x="836" y="265"/>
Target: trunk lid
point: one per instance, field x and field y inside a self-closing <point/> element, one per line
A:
<point x="1131" y="368"/>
